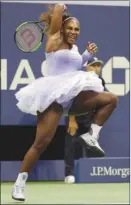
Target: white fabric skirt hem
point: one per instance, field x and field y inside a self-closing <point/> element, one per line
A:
<point x="61" y="89"/>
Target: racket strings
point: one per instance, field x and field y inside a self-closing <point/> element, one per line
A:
<point x="24" y="43"/>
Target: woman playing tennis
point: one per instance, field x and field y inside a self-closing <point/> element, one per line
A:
<point x="66" y="89"/>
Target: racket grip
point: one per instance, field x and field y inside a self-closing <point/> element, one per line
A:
<point x="64" y="6"/>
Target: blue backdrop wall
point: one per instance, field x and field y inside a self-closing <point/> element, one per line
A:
<point x="107" y="26"/>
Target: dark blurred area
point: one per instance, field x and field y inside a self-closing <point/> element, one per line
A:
<point x="16" y="140"/>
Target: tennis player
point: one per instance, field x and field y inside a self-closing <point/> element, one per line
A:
<point x="65" y="90"/>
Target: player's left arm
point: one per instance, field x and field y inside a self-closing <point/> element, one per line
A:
<point x="89" y="52"/>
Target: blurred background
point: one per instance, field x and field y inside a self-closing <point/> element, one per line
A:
<point x="108" y="26"/>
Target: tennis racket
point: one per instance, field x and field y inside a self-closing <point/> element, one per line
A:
<point x="29" y="35"/>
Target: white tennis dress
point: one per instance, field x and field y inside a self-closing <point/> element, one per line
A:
<point x="64" y="81"/>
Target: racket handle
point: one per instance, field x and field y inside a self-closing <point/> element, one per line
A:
<point x="64" y="6"/>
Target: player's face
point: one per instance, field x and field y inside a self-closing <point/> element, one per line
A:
<point x="96" y="67"/>
<point x="71" y="31"/>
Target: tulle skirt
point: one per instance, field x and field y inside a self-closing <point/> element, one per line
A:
<point x="62" y="89"/>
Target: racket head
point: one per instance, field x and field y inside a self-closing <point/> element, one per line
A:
<point x="28" y="36"/>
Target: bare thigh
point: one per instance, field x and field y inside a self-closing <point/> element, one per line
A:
<point x="47" y="123"/>
<point x="89" y="100"/>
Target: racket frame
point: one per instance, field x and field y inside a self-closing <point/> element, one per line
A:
<point x="38" y="46"/>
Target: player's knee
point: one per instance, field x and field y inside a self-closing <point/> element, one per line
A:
<point x="41" y="145"/>
<point x="38" y="148"/>
<point x="114" y="100"/>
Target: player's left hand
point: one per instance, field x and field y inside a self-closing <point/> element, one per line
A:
<point x="92" y="47"/>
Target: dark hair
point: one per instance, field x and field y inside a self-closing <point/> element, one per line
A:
<point x="65" y="16"/>
<point x="46" y="16"/>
